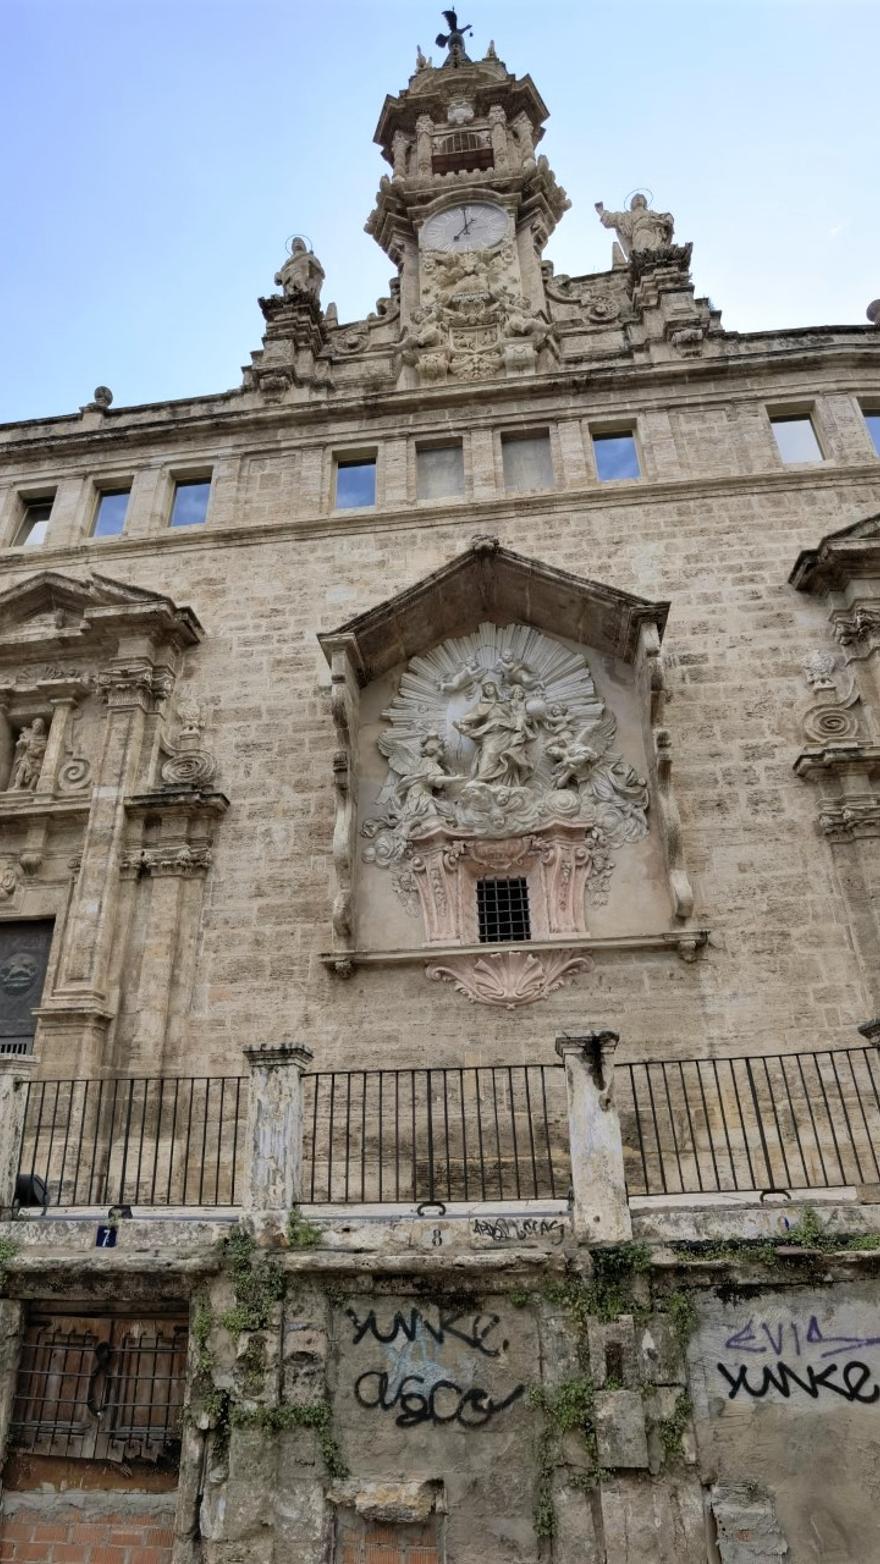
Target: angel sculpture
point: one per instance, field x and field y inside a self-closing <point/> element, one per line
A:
<point x="420" y="774"/>
<point x="617" y="792"/>
<point x="454" y="39"/>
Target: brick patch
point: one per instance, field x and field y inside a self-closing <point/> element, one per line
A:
<point x="26" y="1538"/>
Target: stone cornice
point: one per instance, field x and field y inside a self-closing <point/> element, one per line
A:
<point x="684" y="942"/>
<point x="222" y="412"/>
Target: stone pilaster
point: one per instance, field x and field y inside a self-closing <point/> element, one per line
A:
<point x="75" y="1017"/>
<point x="14" y="1073"/>
<point x="600" y="1212"/>
<point x="273" y="1175"/>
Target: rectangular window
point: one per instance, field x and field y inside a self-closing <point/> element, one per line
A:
<point x="190" y="506"/>
<point x="616" y="457"/>
<point x="439" y="472"/>
<point x="34" y="523"/>
<point x="503" y="911"/>
<point x="100" y="1388"/>
<point x="527" y="462"/>
<point x="355" y="483"/>
<point x="796" y="439"/>
<point x="110" y="513"/>
<point x="872" y="424"/>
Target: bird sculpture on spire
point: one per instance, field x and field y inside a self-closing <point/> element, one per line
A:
<point x="454" y="39"/>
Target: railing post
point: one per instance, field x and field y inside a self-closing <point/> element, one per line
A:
<point x="600" y="1208"/>
<point x="273" y="1170"/>
<point x="14" y="1072"/>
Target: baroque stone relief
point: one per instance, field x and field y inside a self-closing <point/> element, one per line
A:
<point x="472" y="322"/>
<point x="497" y="735"/>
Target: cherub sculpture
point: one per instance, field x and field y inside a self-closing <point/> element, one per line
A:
<point x="584" y="760"/>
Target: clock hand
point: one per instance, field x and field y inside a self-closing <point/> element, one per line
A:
<point x="466" y="228"/>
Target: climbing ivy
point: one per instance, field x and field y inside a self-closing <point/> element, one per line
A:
<point x="314" y="1415"/>
<point x="567" y="1409"/>
<point x="672" y="1429"/>
<point x="259" y="1283"/>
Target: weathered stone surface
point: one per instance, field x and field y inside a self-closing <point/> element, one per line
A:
<point x="620" y="1428"/>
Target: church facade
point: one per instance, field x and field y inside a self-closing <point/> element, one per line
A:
<point x="439" y="788"/>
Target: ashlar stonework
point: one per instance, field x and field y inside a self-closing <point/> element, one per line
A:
<point x="439" y="1102"/>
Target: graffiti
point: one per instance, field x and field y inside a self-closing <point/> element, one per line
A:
<point x="502" y="1228"/>
<point x="442" y="1402"/>
<point x="855" y="1376"/>
<point x="408" y="1327"/>
<point x="772" y="1337"/>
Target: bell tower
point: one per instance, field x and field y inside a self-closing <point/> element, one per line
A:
<point x="465" y="214"/>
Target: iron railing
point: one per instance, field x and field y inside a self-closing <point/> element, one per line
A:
<point x="772" y="1121"/>
<point x="481" y="1133"/>
<point x="147" y="1141"/>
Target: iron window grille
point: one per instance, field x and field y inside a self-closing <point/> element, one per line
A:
<point x="503" y="911"/>
<point x="100" y="1388"/>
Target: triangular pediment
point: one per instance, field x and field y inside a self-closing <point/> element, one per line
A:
<point x="51" y="608"/>
<point x="494" y="583"/>
<point x="840" y="556"/>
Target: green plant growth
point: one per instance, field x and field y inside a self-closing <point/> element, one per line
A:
<point x="314" y="1415"/>
<point x="569" y="1409"/>
<point x="8" y="1249"/>
<point x="808" y="1233"/>
<point x="259" y="1283"/>
<point x="683" y="1314"/>
<point x="673" y="1428"/>
<point x="301" y="1234"/>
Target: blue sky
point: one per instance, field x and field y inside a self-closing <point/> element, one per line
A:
<point x="159" y="152"/>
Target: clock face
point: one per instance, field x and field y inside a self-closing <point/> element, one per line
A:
<point x="472" y="225"/>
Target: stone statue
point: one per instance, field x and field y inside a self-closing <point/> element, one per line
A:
<point x="640" y="228"/>
<point x="619" y="794"/>
<point x="420" y="775"/>
<point x="501" y="731"/>
<point x="28" y="758"/>
<point x="302" y="272"/>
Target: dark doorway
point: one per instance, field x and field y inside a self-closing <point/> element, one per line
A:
<point x="24" y="957"/>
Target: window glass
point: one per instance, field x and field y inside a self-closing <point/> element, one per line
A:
<point x="356" y="483"/>
<point x="616" y="457"/>
<point x="796" y="439"/>
<point x="873" y="422"/>
<point x="190" y="502"/>
<point x="439" y="472"/>
<point x="527" y="462"/>
<point x="110" y="514"/>
<point x="35" y="523"/>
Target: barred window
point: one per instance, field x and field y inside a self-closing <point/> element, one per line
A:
<point x="102" y="1388"/>
<point x="503" y="911"/>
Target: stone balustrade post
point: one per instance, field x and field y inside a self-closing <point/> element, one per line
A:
<point x="273" y="1174"/>
<point x="600" y="1211"/>
<point x="15" y="1069"/>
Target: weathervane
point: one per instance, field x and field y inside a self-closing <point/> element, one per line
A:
<point x="454" y="39"/>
